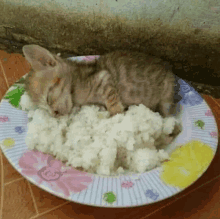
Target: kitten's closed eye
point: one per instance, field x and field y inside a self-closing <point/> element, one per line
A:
<point x="56" y="112"/>
<point x="49" y="100"/>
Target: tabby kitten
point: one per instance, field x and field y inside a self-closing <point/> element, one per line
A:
<point x="116" y="80"/>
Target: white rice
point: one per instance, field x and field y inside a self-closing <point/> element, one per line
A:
<point x="89" y="139"/>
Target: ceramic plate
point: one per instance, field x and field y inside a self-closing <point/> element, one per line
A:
<point x="191" y="154"/>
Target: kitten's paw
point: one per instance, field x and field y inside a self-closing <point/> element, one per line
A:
<point x="165" y="140"/>
<point x="116" y="108"/>
<point x="113" y="103"/>
<point x="176" y="131"/>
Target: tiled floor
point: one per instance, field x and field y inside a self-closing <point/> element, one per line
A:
<point x="20" y="199"/>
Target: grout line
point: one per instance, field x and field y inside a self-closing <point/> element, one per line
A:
<point x="34" y="201"/>
<point x="146" y="216"/>
<point x="216" y="101"/>
<point x="52" y="209"/>
<point x="180" y="197"/>
<point x="3" y="71"/>
<point x="2" y="185"/>
<point x="14" y="181"/>
<point x="199" y="187"/>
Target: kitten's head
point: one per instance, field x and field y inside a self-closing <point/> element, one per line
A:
<point x="49" y="84"/>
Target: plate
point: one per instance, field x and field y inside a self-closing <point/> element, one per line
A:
<point x="191" y="154"/>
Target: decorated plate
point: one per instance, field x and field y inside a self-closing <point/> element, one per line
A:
<point x="190" y="155"/>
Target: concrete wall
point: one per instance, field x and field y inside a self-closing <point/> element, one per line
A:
<point x="175" y="30"/>
<point x="198" y="13"/>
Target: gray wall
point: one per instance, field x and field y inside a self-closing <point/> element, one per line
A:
<point x="195" y="13"/>
<point x="173" y="29"/>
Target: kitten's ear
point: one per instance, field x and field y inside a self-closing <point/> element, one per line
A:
<point x="38" y="57"/>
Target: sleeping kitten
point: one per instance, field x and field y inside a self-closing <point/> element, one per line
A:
<point x="116" y="80"/>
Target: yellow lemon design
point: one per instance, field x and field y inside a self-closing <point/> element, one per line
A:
<point x="8" y="143"/>
<point x="187" y="163"/>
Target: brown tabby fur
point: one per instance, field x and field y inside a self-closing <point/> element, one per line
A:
<point x="115" y="80"/>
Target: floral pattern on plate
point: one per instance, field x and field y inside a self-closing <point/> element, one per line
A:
<point x="189" y="95"/>
<point x="187" y="163"/>
<point x="43" y="167"/>
<point x="8" y="143"/>
<point x="127" y="184"/>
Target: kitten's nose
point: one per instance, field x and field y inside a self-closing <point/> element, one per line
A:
<point x="56" y="113"/>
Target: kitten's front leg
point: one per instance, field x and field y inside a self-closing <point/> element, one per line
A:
<point x="113" y="102"/>
<point x="109" y="93"/>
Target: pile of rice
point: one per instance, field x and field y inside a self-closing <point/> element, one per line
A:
<point x="91" y="140"/>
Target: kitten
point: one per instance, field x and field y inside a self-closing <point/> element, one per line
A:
<point x="116" y="80"/>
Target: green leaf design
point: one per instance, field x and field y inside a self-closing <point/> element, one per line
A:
<point x="14" y="96"/>
<point x="109" y="197"/>
<point x="200" y="124"/>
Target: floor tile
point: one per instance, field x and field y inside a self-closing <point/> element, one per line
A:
<point x="25" y="64"/>
<point x="218" y="101"/>
<point x="14" y="66"/>
<point x="10" y="174"/>
<point x="1" y="179"/>
<point x="215" y="108"/>
<point x="75" y="210"/>
<point x="18" y="202"/>
<point x="44" y="200"/>
<point x="4" y="55"/>
<point x="68" y="212"/>
<point x="201" y="204"/>
<point x="3" y="84"/>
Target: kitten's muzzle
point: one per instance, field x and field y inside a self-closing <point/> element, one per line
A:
<point x="56" y="113"/>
